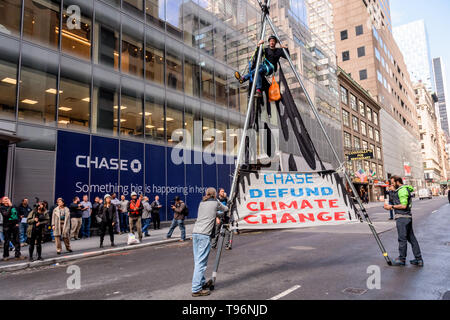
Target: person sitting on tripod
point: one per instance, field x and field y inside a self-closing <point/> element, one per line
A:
<point x="269" y="62"/>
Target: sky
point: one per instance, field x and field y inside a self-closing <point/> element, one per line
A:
<point x="436" y="14"/>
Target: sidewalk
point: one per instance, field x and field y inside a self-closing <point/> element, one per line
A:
<point x="90" y="247"/>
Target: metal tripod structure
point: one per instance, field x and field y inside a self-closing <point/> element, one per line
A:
<point x="267" y="20"/>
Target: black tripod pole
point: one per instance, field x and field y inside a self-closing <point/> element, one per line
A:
<point x="316" y="113"/>
<point x="265" y="10"/>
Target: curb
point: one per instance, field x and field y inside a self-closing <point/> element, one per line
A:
<point x="50" y="261"/>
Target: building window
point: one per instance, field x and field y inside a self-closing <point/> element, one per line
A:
<point x="174" y="65"/>
<point x="345" y="55"/>
<point x="347" y="140"/>
<point x="8" y="82"/>
<point x="38" y="91"/>
<point x="344" y="35"/>
<point x="174" y="121"/>
<point x="106" y="47"/>
<point x="41" y="22"/>
<point x="363" y="128"/>
<point x="346" y="118"/>
<point x="363" y="74"/>
<point x="370" y="132"/>
<point x="372" y="148"/>
<point x="362" y="109"/>
<point x="379" y="76"/>
<point x="357" y="143"/>
<point x="105" y="106"/>
<point x="365" y="145"/>
<point x="207" y="124"/>
<point x="344" y="95"/>
<point x="359" y="30"/>
<point x="369" y="114"/>
<point x="377" y="54"/>
<point x="10" y="13"/>
<point x="74" y="96"/>
<point x="131" y="117"/>
<point x="366" y="166"/>
<point x="353" y="102"/>
<point x="77" y="41"/>
<point x="220" y="77"/>
<point x="154" y="118"/>
<point x="154" y="10"/>
<point x="355" y="124"/>
<point x="191" y="74"/>
<point x="174" y="20"/>
<point x="375" y="118"/>
<point x="154" y="57"/>
<point x="380" y="171"/>
<point x="361" y="52"/>
<point x="132" y="51"/>
<point x="378" y="153"/>
<point x="377" y="135"/>
<point x="208" y="82"/>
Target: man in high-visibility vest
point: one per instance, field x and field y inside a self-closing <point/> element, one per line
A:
<point x="402" y="204"/>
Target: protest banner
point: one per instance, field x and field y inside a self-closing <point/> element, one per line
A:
<point x="274" y="200"/>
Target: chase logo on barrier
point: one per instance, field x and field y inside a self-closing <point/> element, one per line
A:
<point x="111" y="164"/>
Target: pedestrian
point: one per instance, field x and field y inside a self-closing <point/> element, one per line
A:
<point x="37" y="221"/>
<point x="156" y="206"/>
<point x="390" y="193"/>
<point x="116" y="202"/>
<point x="448" y="195"/>
<point x="224" y="219"/>
<point x="209" y="210"/>
<point x="61" y="225"/>
<point x="11" y="228"/>
<point x="146" y="214"/>
<point x="75" y="209"/>
<point x="269" y="64"/>
<point x="86" y="217"/>
<point x="23" y="210"/>
<point x="108" y="220"/>
<point x="178" y="218"/>
<point x="123" y="214"/>
<point x="134" y="209"/>
<point x="402" y="204"/>
<point x="48" y="232"/>
<point x="96" y="210"/>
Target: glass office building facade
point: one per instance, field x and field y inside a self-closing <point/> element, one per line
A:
<point x="95" y="91"/>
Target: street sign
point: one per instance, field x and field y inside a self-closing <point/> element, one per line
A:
<point x="360" y="155"/>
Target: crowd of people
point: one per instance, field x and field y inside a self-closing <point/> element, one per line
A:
<point x="24" y="225"/>
<point x="30" y="225"/>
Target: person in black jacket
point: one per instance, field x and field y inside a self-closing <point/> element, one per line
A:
<point x="108" y="214"/>
<point x="156" y="206"/>
<point x="448" y="194"/>
<point x="269" y="64"/>
<point x="10" y="228"/>
<point x="37" y="220"/>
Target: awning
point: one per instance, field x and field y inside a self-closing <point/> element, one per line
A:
<point x="6" y="138"/>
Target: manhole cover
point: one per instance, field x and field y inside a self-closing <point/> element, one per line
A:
<point x="446" y="296"/>
<point x="355" y="291"/>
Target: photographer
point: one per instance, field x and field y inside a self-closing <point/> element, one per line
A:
<point x="178" y="218"/>
<point x="37" y="220"/>
<point x="224" y="219"/>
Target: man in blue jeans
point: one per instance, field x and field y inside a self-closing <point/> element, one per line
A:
<point x="210" y="211"/>
<point x="178" y="218"/>
<point x="23" y="210"/>
<point x="86" y="215"/>
<point x="269" y="62"/>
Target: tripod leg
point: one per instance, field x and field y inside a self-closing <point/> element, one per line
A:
<point x="218" y="255"/>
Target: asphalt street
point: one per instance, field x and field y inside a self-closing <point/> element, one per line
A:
<point x="313" y="263"/>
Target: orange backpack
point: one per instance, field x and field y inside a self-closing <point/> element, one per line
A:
<point x="274" y="91"/>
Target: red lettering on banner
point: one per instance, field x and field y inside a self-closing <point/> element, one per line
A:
<point x="305" y="203"/>
<point x="320" y="202"/>
<point x="293" y="204"/>
<point x="287" y="217"/>
<point x="338" y="216"/>
<point x="250" y="216"/>
<point x="264" y="218"/>
<point x="251" y="203"/>
<point x="261" y="206"/>
<point x="333" y="204"/>
<point x="302" y="217"/>
<point x="274" y="205"/>
<point x="321" y="216"/>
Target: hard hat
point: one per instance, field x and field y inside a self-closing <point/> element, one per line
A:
<point x="107" y="196"/>
<point x="133" y="194"/>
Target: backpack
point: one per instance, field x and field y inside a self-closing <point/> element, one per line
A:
<point x="185" y="211"/>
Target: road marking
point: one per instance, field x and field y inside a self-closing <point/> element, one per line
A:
<point x="434" y="211"/>
<point x="285" y="293"/>
<point x="302" y="248"/>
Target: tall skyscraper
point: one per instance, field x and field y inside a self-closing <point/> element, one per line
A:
<point x="412" y="39"/>
<point x="366" y="49"/>
<point x="441" y="91"/>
